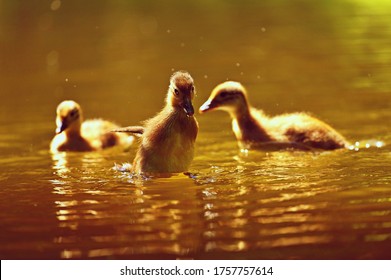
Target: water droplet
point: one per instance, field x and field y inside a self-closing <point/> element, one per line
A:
<point x="205" y="76"/>
<point x="52" y="62"/>
<point x="52" y="58"/>
<point x="66" y="80"/>
<point x="244" y="151"/>
<point x="55" y="5"/>
<point x="258" y="77"/>
<point x="182" y="44"/>
<point x="263" y="29"/>
<point x="237" y="64"/>
<point x="379" y="144"/>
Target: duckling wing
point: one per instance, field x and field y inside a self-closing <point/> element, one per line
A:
<point x="96" y="127"/>
<point x="305" y="129"/>
<point x="130" y="129"/>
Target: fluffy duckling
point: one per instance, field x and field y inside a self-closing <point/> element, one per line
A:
<point x="253" y="128"/>
<point x="167" y="141"/>
<point x="74" y="134"/>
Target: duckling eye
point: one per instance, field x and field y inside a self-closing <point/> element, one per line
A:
<point x="223" y="94"/>
<point x="192" y="88"/>
<point x="176" y="91"/>
<point x="73" y="113"/>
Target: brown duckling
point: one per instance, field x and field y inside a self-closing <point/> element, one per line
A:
<point x="254" y="129"/>
<point x="74" y="134"/>
<point x="167" y="141"/>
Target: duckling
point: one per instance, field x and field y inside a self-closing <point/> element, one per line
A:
<point x="254" y="129"/>
<point x="74" y="134"/>
<point x="167" y="141"/>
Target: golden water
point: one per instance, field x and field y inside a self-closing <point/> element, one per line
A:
<point x="330" y="58"/>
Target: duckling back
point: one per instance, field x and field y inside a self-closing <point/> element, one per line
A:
<point x="99" y="134"/>
<point x="306" y="130"/>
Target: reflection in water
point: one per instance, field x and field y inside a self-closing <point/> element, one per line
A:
<point x="76" y="187"/>
<point x="291" y="206"/>
<point x="60" y="164"/>
<point x="142" y="218"/>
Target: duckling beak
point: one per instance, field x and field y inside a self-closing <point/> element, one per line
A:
<point x="188" y="107"/>
<point x="207" y="106"/>
<point x="61" y="126"/>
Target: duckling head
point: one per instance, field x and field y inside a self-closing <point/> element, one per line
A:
<point x="228" y="96"/>
<point x="69" y="116"/>
<point x="181" y="92"/>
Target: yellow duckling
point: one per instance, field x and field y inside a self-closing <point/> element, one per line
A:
<point x="253" y="128"/>
<point x="74" y="134"/>
<point x="167" y="141"/>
